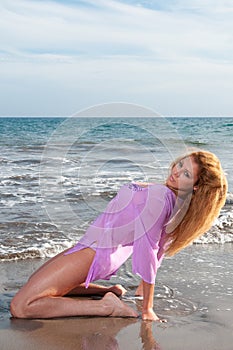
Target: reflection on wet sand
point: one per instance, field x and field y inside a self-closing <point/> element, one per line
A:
<point x="83" y="333"/>
<point x="148" y="340"/>
<point x="98" y="332"/>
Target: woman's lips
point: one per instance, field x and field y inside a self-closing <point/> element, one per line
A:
<point x="172" y="178"/>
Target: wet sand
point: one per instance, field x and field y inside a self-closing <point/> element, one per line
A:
<point x="194" y="293"/>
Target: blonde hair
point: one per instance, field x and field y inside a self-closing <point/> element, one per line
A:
<point x="201" y="207"/>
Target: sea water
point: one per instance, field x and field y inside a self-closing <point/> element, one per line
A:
<point x="58" y="174"/>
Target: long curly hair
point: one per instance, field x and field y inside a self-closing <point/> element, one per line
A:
<point x="200" y="207"/>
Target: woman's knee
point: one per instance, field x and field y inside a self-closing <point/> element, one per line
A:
<point x="19" y="308"/>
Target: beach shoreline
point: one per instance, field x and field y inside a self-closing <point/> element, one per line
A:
<point x="194" y="294"/>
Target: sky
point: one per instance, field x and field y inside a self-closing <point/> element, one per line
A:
<point x="58" y="57"/>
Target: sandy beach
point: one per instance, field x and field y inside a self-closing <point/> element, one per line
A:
<point x="194" y="290"/>
<point x="194" y="293"/>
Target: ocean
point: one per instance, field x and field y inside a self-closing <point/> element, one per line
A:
<point x="57" y="174"/>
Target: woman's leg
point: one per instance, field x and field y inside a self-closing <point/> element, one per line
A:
<point x="139" y="290"/>
<point x="48" y="262"/>
<point x="43" y="295"/>
<point x="96" y="289"/>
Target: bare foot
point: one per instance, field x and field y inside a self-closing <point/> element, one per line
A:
<point x="150" y="315"/>
<point x="117" y="307"/>
<point x="118" y="290"/>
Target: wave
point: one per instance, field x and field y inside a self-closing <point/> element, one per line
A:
<point x="229" y="199"/>
<point x="222" y="230"/>
<point x="22" y="239"/>
<point x="196" y="143"/>
<point x="47" y="251"/>
<point x="51" y="249"/>
<point x="215" y="237"/>
<point x="46" y="243"/>
<point x="26" y="161"/>
<point x="227" y="124"/>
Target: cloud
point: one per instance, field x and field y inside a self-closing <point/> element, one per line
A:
<point x="108" y="50"/>
<point x="111" y="28"/>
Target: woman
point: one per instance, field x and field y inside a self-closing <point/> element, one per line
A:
<point x="145" y="220"/>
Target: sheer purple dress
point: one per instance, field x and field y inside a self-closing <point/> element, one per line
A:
<point x="134" y="224"/>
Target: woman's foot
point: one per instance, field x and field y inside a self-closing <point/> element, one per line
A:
<point x="116" y="307"/>
<point x="118" y="290"/>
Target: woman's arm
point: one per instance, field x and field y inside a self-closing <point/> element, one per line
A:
<point x="148" y="302"/>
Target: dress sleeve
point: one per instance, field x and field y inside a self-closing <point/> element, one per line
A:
<point x="149" y="232"/>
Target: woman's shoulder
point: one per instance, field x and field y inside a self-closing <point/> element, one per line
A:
<point x="160" y="187"/>
<point x="163" y="191"/>
<point x="153" y="185"/>
<point x="155" y="189"/>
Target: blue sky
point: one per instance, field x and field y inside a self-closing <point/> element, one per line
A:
<point x="174" y="56"/>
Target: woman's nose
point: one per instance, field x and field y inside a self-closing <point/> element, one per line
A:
<point x="177" y="173"/>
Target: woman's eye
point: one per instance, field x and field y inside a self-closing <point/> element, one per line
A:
<point x="180" y="164"/>
<point x="186" y="173"/>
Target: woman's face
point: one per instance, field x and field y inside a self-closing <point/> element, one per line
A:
<point x="184" y="175"/>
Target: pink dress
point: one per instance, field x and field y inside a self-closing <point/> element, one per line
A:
<point x="132" y="224"/>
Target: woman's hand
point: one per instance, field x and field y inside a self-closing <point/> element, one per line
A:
<point x="148" y="301"/>
<point x="150" y="315"/>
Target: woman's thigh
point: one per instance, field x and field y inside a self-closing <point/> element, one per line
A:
<point x="58" y="277"/>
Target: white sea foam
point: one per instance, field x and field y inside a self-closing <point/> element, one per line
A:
<point x="222" y="230"/>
